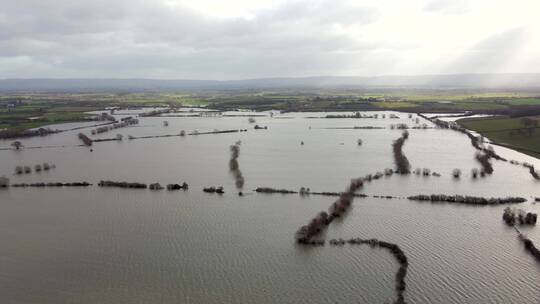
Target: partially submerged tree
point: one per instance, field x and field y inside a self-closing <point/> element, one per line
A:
<point x="474" y="172"/>
<point x="19" y="170"/>
<point x="4" y="181"/>
<point x="402" y="163"/>
<point x="17" y="145"/>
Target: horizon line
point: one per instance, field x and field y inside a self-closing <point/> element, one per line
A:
<point x="263" y="78"/>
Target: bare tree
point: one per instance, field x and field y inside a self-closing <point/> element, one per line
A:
<point x="4" y="181"/>
<point x="17" y="145"/>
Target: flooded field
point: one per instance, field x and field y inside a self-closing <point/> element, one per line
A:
<point x="110" y="245"/>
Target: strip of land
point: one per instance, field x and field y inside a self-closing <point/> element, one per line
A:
<point x="518" y="133"/>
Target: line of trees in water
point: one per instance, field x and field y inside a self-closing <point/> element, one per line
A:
<point x="513" y="217"/>
<point x="12" y="134"/>
<point x="302" y="192"/>
<point x="426" y="172"/>
<point x="529" y="246"/>
<point x="273" y="190"/>
<point x="51" y="184"/>
<point x="355" y="115"/>
<point x="183" y="133"/>
<point x="467" y="200"/>
<point x="154" y="113"/>
<point x="37" y="168"/>
<point x="529" y="166"/>
<point x="4" y="183"/>
<point x="398" y="254"/>
<point x="402" y="163"/>
<point x="136" y="185"/>
<point x="477" y="143"/>
<point x="126" y="122"/>
<point x="367" y="178"/>
<point x="133" y="185"/>
<point x="184" y="186"/>
<point x="212" y="189"/>
<point x="85" y="139"/>
<point x="234" y="167"/>
<point x="533" y="172"/>
<point x="88" y="141"/>
<point x="306" y="234"/>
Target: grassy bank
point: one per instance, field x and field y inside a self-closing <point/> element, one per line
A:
<point x="27" y="118"/>
<point x="507" y="131"/>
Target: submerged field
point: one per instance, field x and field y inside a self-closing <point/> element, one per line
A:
<point x="113" y="245"/>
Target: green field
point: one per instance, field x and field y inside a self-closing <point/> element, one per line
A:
<point x="507" y="131"/>
<point x="37" y="110"/>
<point x="524" y="101"/>
<point x="394" y="104"/>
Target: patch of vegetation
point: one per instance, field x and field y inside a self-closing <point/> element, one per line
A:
<point x="522" y="134"/>
<point x="20" y="112"/>
<point x="29" y="110"/>
<point x="394" y="104"/>
<point x="523" y="101"/>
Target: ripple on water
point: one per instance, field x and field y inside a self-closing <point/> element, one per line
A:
<point x="120" y="246"/>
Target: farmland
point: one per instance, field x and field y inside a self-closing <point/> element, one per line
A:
<point x="24" y="110"/>
<point x="507" y="131"/>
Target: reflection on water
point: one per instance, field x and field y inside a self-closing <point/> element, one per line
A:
<point x="107" y="245"/>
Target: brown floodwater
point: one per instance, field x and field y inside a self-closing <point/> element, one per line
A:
<point x="107" y="245"/>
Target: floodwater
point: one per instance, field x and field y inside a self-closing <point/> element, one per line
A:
<point x="108" y="245"/>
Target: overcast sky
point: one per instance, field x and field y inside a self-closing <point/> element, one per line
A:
<point x="219" y="39"/>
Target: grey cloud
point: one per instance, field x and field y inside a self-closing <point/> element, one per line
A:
<point x="146" y="38"/>
<point x="490" y="54"/>
<point x="49" y="19"/>
<point x="141" y="36"/>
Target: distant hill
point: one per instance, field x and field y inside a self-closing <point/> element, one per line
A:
<point x="455" y="81"/>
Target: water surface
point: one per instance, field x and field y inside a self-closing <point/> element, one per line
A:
<point x="99" y="245"/>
